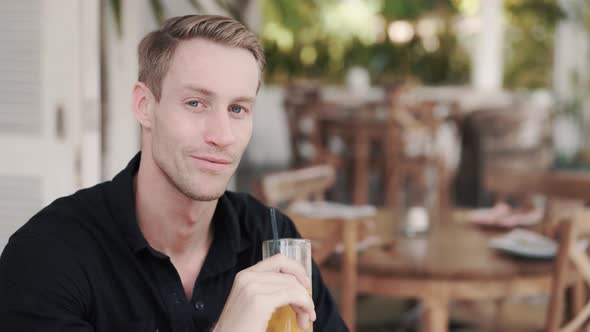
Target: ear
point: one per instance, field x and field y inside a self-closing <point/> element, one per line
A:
<point x="143" y="103"/>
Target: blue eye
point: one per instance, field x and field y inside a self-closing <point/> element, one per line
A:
<point x="193" y="103"/>
<point x="236" y="109"/>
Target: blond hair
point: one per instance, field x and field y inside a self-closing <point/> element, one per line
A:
<point x="156" y="49"/>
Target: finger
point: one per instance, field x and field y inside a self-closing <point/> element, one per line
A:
<point x="271" y="278"/>
<point x="246" y="277"/>
<point x="282" y="264"/>
<point x="303" y="321"/>
<point x="263" y="288"/>
<point x="301" y="311"/>
<point x="294" y="297"/>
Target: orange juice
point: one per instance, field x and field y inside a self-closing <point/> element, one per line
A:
<point x="285" y="320"/>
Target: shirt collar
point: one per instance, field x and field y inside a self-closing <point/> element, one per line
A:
<point x="122" y="200"/>
<point x="228" y="240"/>
<point x="226" y="221"/>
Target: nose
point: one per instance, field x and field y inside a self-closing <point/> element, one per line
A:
<point x="219" y="131"/>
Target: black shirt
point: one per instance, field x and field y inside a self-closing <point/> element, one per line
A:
<point x="82" y="264"/>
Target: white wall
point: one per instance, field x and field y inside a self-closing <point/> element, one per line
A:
<point x="571" y="55"/>
<point x="269" y="145"/>
<point x="122" y="131"/>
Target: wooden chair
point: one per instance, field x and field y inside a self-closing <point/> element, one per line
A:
<point x="564" y="191"/>
<point x="572" y="266"/>
<point x="309" y="184"/>
<point x="561" y="202"/>
<point x="566" y="218"/>
<point x="421" y="119"/>
<point x="301" y="102"/>
<point x="302" y="123"/>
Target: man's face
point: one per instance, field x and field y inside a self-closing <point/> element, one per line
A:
<point x="203" y="121"/>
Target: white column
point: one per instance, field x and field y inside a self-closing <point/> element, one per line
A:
<point x="571" y="57"/>
<point x="90" y="149"/>
<point x="122" y="130"/>
<point x="487" y="63"/>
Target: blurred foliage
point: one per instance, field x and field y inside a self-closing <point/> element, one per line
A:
<point x="529" y="42"/>
<point x="301" y="39"/>
<point x="408" y="10"/>
<point x="292" y="28"/>
<point x="321" y="39"/>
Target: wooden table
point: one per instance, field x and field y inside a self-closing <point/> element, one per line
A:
<point x="452" y="262"/>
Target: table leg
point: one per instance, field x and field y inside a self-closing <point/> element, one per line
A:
<point x="391" y="172"/>
<point x="361" y="167"/>
<point x="576" y="298"/>
<point x="436" y="316"/>
<point x="498" y="316"/>
<point x="349" y="274"/>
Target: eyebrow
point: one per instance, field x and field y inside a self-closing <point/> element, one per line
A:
<point x="210" y="93"/>
<point x="200" y="90"/>
<point x="248" y="100"/>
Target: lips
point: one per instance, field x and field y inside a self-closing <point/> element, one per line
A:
<point x="211" y="163"/>
<point x="213" y="159"/>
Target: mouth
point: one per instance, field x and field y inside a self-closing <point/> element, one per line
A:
<point x="212" y="163"/>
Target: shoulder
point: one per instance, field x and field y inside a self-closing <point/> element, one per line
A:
<point x="68" y="219"/>
<point x="57" y="244"/>
<point x="42" y="274"/>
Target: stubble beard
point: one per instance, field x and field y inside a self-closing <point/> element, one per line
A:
<point x="182" y="181"/>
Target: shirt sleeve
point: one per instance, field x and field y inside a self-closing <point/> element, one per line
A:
<point x="42" y="287"/>
<point x="328" y="316"/>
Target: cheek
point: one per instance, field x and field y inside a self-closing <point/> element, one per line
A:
<point x="243" y="133"/>
<point x="171" y="130"/>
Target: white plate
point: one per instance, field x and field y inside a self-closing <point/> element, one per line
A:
<point x="525" y="243"/>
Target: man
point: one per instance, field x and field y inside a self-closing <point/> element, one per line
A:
<point x="163" y="246"/>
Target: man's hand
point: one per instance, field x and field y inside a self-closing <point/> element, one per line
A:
<point x="261" y="289"/>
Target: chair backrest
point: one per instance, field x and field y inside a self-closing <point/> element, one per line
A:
<point x="308" y="183"/>
<point x="517" y="183"/>
<point x="570" y="184"/>
<point x="284" y="189"/>
<point x="572" y="268"/>
<point x="302" y="120"/>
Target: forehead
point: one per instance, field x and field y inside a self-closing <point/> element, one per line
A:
<point x="227" y="71"/>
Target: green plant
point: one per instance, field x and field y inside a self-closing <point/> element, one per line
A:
<point x="529" y="42"/>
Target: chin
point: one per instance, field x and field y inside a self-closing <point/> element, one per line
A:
<point x="202" y="196"/>
<point x="206" y="197"/>
<point x="200" y="186"/>
<point x="197" y="193"/>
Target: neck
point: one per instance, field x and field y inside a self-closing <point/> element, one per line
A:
<point x="171" y="222"/>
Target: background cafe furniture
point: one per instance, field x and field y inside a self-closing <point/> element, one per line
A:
<point x="567" y="194"/>
<point x="572" y="266"/>
<point x="361" y="138"/>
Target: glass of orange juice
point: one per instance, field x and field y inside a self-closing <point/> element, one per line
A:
<point x="284" y="318"/>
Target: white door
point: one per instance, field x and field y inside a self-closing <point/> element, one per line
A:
<point x="49" y="93"/>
